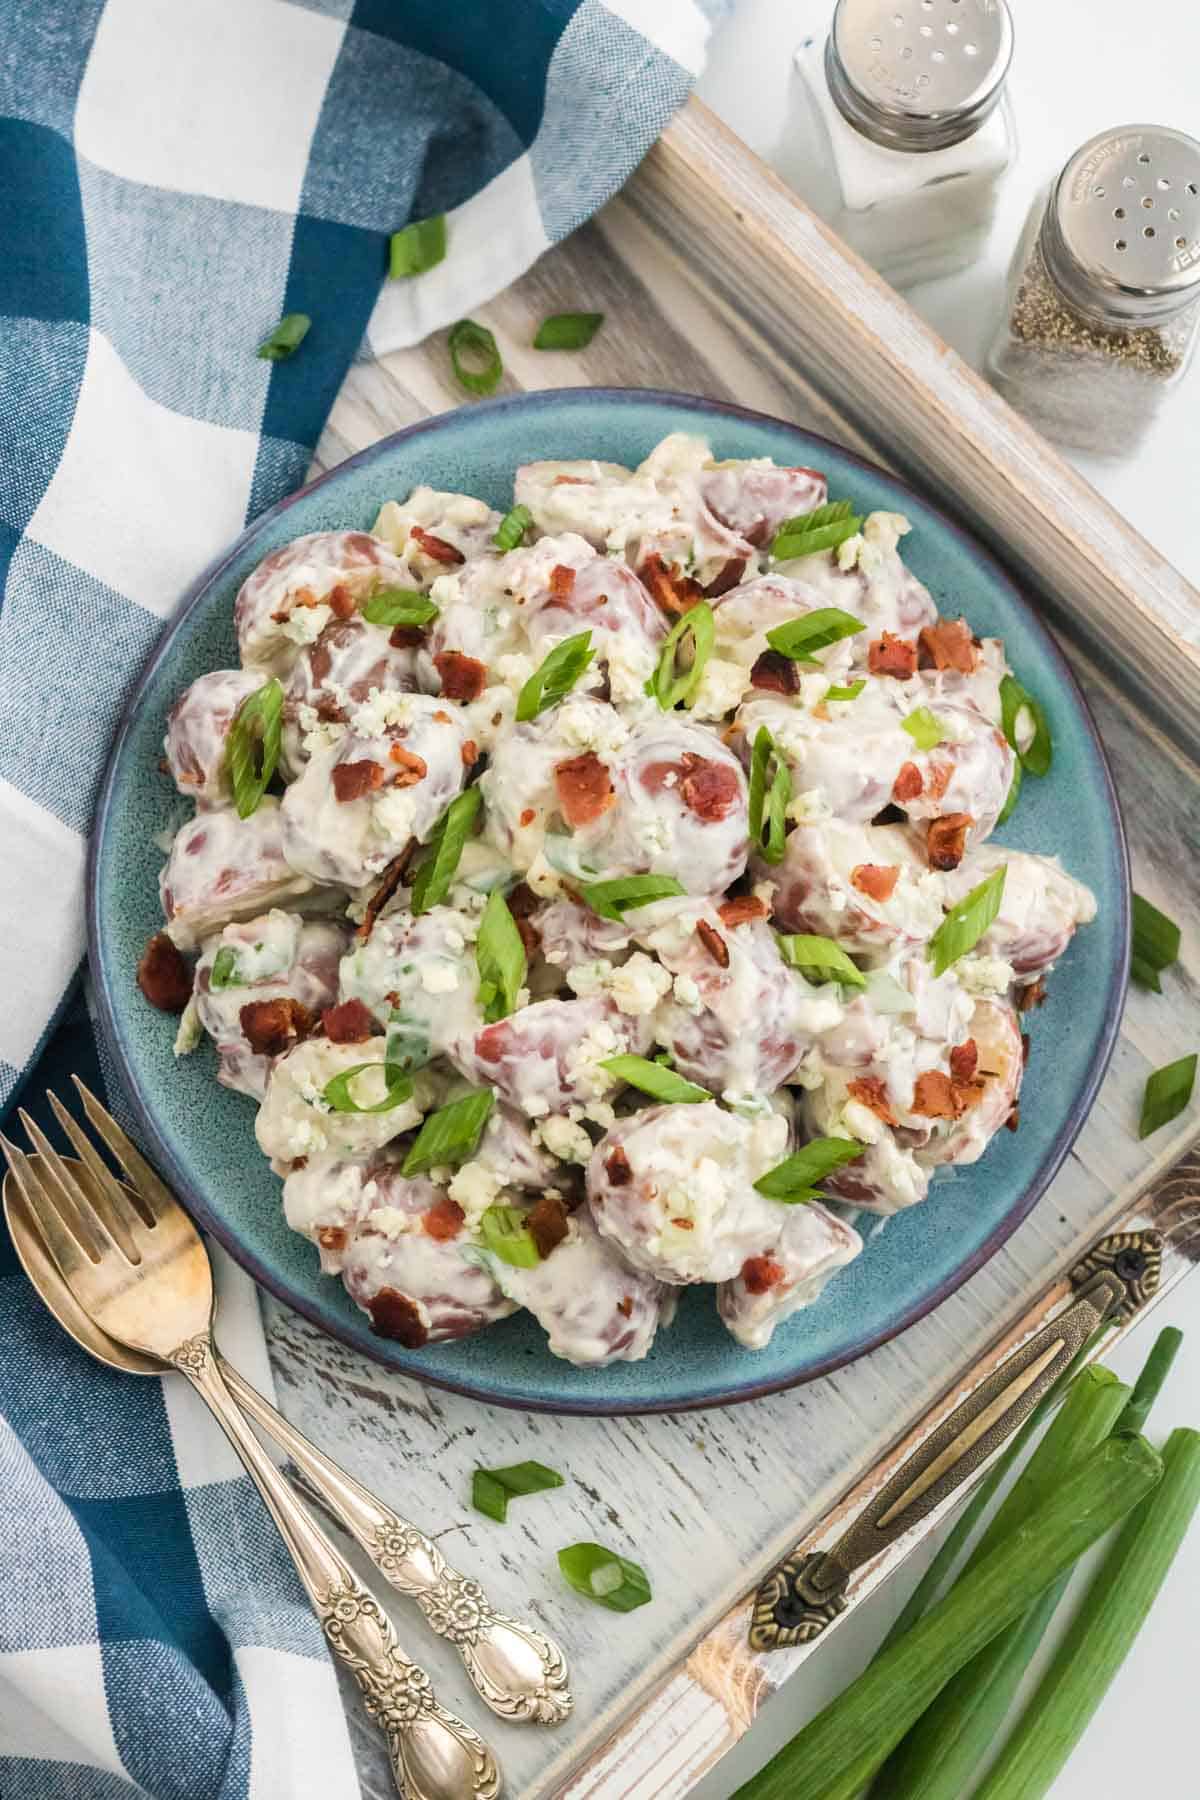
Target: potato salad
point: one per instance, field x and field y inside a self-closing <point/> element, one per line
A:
<point x="601" y="898"/>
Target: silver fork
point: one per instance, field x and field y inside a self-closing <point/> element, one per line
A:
<point x="150" y="1286"/>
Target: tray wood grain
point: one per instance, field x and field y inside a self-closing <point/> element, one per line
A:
<point x="716" y="281"/>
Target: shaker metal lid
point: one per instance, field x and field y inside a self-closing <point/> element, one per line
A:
<point x="1121" y="235"/>
<point x="918" y="74"/>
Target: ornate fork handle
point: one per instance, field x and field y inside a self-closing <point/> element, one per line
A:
<point x="521" y="1673"/>
<point x="434" y="1756"/>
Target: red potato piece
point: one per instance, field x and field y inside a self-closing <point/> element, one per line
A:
<point x="847" y="755"/>
<point x="545" y="1058"/>
<point x="808" y="1246"/>
<point x="295" y="963"/>
<point x="755" y="501"/>
<point x="419" y="973"/>
<point x="823" y="886"/>
<point x="223" y="868"/>
<point x="349" y="659"/>
<point x="198" y="727"/>
<point x="595" y="1308"/>
<point x="1040" y="909"/>
<point x="878" y="589"/>
<point x="420" y="1290"/>
<point x="982" y="1104"/>
<point x="287" y="601"/>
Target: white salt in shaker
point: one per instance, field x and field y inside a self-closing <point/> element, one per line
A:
<point x="901" y="130"/>
<point x="1103" y="302"/>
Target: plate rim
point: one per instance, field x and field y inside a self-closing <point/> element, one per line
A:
<point x="388" y="1357"/>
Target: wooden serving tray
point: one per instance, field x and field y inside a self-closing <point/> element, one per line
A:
<point x="717" y="281"/>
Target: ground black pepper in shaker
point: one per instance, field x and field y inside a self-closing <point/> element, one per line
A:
<point x="1103" y="301"/>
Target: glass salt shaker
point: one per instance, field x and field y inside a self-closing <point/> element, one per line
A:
<point x="1103" y="302"/>
<point x="901" y="130"/>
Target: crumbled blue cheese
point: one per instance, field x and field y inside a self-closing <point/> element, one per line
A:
<point x="380" y="710"/>
<point x="811" y="807"/>
<point x="304" y="624"/>
<point x="475" y="1187"/>
<point x="985" y="974"/>
<point x="721" y="688"/>
<point x="686" y="992"/>
<point x="440" y="977"/>
<point x="583" y="1061"/>
<point x="870" y="548"/>
<point x="591" y="726"/>
<point x="317" y="733"/>
<point x="564" y="1138"/>
<point x="636" y="986"/>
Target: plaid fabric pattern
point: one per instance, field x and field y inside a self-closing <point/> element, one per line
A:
<point x="174" y="177"/>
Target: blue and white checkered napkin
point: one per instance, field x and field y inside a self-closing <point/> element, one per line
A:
<point x="173" y="179"/>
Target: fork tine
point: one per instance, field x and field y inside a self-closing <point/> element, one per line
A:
<point x="78" y="1214"/>
<point x="121" y="1200"/>
<point x="64" y="1248"/>
<point x="156" y="1196"/>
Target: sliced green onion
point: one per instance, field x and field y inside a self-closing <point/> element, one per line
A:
<point x="1148" y="1385"/>
<point x="505" y="1233"/>
<point x="1167" y="1093"/>
<point x="492" y="1489"/>
<point x="942" y="1752"/>
<point x="420" y="246"/>
<point x="838" y="1751"/>
<point x="1014" y="793"/>
<point x="1014" y="700"/>
<point x="287" y="337"/>
<point x="653" y="1079"/>
<point x="337" y="1096"/>
<point x="613" y="899"/>
<point x="769" y="804"/>
<point x="399" y="606"/>
<point x="252" y="748"/>
<point x="431" y="882"/>
<point x="665" y="685"/>
<point x="965" y="924"/>
<point x="816" y="630"/>
<point x="822" y="529"/>
<point x="567" y="331"/>
<point x="605" y="1577"/>
<point x="796" y="1176"/>
<point x="924" y="728"/>
<point x="500" y="959"/>
<point x="1155" y="944"/>
<point x="846" y="693"/>
<point x="819" y="958"/>
<point x="512" y="528"/>
<point x="475" y="357"/>
<point x="1102" y="1632"/>
<point x="452" y="1133"/>
<point x="555" y="676"/>
<point x="223" y="973"/>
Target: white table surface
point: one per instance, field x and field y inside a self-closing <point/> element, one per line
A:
<point x="1074" y="73"/>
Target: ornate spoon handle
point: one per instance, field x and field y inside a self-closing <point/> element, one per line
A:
<point x="434" y="1756"/>
<point x="521" y="1673"/>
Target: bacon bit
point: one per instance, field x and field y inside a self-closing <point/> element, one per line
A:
<point x="469" y="753"/>
<point x="774" y="673"/>
<point x="685" y="1224"/>
<point x="300" y="1162"/>
<point x="967" y="1094"/>
<point x="761" y="1273"/>
<point x="412" y="768"/>
<point x="435" y="547"/>
<point x="329" y="712"/>
<point x="528" y="815"/>
<point x="908" y="783"/>
<point x="1026" y="1046"/>
<point x="352" y="780"/>
<point x="876" y="880"/>
<point x="349" y="1023"/>
<point x="547" y="1224"/>
<point x="570" y="481"/>
<point x="305" y="597"/>
<point x="727" y="576"/>
<point x="713" y="942"/>
<point x="390" y="880"/>
<point x="163" y="975"/>
<point x="442" y="718"/>
<point x="444" y="1220"/>
<point x="741" y="909"/>
<point x="933" y="1096"/>
<point x="341" y="602"/>
<point x="562" y="580"/>
<point x="331" y="1237"/>
<point x="394" y="1315"/>
<point x="821" y="711"/>
<point x="1013" y="1119"/>
<point x="491" y="1041"/>
<point x="870" y="1091"/>
<point x="618" y="1167"/>
<point x="964" y="1060"/>
<point x="625" y="1306"/>
<point x="1031" y="995"/>
<point x="939" y="777"/>
<point x="584" y="787"/>
<point x="948" y="645"/>
<point x="522" y="904"/>
<point x="890" y="815"/>
<point x="674" y="593"/>
<point x="892" y="655"/>
<point x="463" y="677"/>
<point x="709" y="789"/>
<point x="406" y="637"/>
<point x="946" y="839"/>
<point x="272" y="1026"/>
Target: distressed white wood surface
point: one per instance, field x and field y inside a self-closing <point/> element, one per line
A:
<point x="708" y="1501"/>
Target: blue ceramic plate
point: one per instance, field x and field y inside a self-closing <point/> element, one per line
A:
<point x="202" y="1134"/>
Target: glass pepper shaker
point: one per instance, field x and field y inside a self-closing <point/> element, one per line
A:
<point x="1103" y="301"/>
<point x="900" y="129"/>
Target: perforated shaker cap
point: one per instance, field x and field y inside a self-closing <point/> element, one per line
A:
<point x="918" y="74"/>
<point x="1121" y="233"/>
